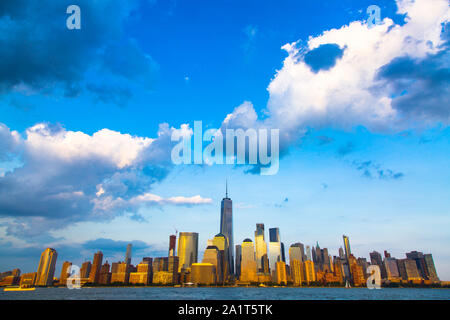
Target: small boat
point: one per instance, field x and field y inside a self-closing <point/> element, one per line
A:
<point x="19" y="289"/>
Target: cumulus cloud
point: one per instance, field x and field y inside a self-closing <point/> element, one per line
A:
<point x="346" y="77"/>
<point x="69" y="176"/>
<point x="387" y="78"/>
<point x="32" y="61"/>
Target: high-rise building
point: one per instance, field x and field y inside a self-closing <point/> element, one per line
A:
<point x="248" y="262"/>
<point x="187" y="249"/>
<point x="375" y="258"/>
<point x="407" y="269"/>
<point x="274" y="248"/>
<point x="297" y="272"/>
<point x="65" y="272"/>
<point x="128" y="254"/>
<point x="46" y="269"/>
<point x="172" y="244"/>
<point x="390" y="265"/>
<point x="105" y="275"/>
<point x="220" y="241"/>
<point x="94" y="275"/>
<point x="296" y="252"/>
<point x="283" y="255"/>
<point x="212" y="255"/>
<point x="238" y="260"/>
<point x="226" y="228"/>
<point x="308" y="253"/>
<point x="341" y="253"/>
<point x="202" y="273"/>
<point x="85" y="270"/>
<point x="348" y="252"/>
<point x="309" y="272"/>
<point x="262" y="259"/>
<point x="432" y="274"/>
<point x="280" y="270"/>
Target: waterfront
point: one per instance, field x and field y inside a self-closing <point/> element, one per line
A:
<point x="170" y="293"/>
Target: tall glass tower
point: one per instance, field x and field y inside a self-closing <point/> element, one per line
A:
<point x="226" y="227"/>
<point x="128" y="254"/>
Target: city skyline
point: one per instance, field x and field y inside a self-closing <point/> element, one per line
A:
<point x="182" y="265"/>
<point x="88" y="116"/>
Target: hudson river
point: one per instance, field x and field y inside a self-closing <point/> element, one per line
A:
<point x="161" y="293"/>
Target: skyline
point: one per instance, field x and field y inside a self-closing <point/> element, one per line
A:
<point x="264" y="262"/>
<point x="86" y="118"/>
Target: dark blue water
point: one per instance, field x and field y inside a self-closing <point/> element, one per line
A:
<point x="151" y="293"/>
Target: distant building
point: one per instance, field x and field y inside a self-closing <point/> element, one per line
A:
<point x="432" y="274"/>
<point x="274" y="249"/>
<point x="390" y="265"/>
<point x="203" y="273"/>
<point x="143" y="274"/>
<point x="28" y="279"/>
<point x="94" y="275"/>
<point x="172" y="244"/>
<point x="85" y="269"/>
<point x="408" y="270"/>
<point x="262" y="259"/>
<point x="238" y="260"/>
<point x="128" y="253"/>
<point x="122" y="275"/>
<point x="65" y="272"/>
<point x="309" y="272"/>
<point x="187" y="249"/>
<point x="105" y="275"/>
<point x="226" y="228"/>
<point x="297" y="272"/>
<point x="280" y="270"/>
<point x="46" y="269"/>
<point x="248" y="262"/>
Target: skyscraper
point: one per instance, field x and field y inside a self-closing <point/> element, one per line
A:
<point x="261" y="249"/>
<point x="65" y="272"/>
<point x="128" y="254"/>
<point x="248" y="262"/>
<point x="432" y="274"/>
<point x="94" y="276"/>
<point x="238" y="260"/>
<point x="187" y="249"/>
<point x="274" y="248"/>
<point x="347" y="247"/>
<point x="226" y="227"/>
<point x="46" y="269"/>
<point x="172" y="244"/>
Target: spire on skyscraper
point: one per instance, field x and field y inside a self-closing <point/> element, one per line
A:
<point x="226" y="188"/>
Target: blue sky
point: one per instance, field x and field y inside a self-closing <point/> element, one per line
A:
<point x="363" y="115"/>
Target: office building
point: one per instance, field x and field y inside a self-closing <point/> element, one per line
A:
<point x="226" y="228"/>
<point x="248" y="262"/>
<point x="187" y="249"/>
<point x="94" y="275"/>
<point x="128" y="254"/>
<point x="46" y="269"/>
<point x="262" y="259"/>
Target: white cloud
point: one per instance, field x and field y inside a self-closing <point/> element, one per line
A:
<point x="343" y="96"/>
<point x="122" y="150"/>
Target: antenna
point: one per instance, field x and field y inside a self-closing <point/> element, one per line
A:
<point x="226" y="188"/>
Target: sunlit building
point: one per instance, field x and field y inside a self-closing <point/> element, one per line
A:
<point x="94" y="275"/>
<point x="46" y="269"/>
<point x="248" y="262"/>
<point x="105" y="275"/>
<point x="28" y="279"/>
<point x="407" y="269"/>
<point x="187" y="249"/>
<point x="220" y="241"/>
<point x="262" y="260"/>
<point x="65" y="270"/>
<point x="432" y="274"/>
<point x="143" y="274"/>
<point x="122" y="275"/>
<point x="212" y="256"/>
<point x="280" y="271"/>
<point x="203" y="273"/>
<point x="172" y="244"/>
<point x="274" y="249"/>
<point x="392" y="274"/>
<point x="297" y="272"/>
<point x="309" y="272"/>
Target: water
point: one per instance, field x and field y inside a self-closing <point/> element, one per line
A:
<point x="162" y="293"/>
